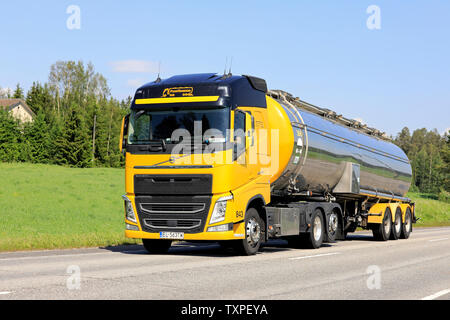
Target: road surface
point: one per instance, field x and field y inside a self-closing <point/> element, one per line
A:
<point x="359" y="268"/>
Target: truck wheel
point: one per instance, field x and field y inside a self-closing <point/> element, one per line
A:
<point x="332" y="227"/>
<point x="254" y="227"/>
<point x="397" y="225"/>
<point x="407" y="225"/>
<point x="382" y="231"/>
<point x="315" y="236"/>
<point x="156" y="246"/>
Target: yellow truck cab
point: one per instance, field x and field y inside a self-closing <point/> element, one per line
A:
<point x="219" y="157"/>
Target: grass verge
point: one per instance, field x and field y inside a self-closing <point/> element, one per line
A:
<point x="52" y="207"/>
<point x="49" y="207"/>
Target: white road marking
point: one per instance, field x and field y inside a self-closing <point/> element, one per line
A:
<point x="315" y="256"/>
<point x="53" y="256"/>
<point x="441" y="239"/>
<point x="437" y="295"/>
<point x="4" y="292"/>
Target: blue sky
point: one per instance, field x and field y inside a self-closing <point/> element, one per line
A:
<point x="321" y="51"/>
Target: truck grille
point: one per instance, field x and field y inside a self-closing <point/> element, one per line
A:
<point x="172" y="207"/>
<point x="184" y="213"/>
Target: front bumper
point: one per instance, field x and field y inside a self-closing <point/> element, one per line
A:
<point x="150" y="224"/>
<point x="212" y="236"/>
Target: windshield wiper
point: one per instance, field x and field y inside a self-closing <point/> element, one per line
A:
<point x="154" y="145"/>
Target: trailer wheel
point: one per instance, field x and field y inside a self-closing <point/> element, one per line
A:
<point x="254" y="228"/>
<point x="407" y="225"/>
<point x="156" y="246"/>
<point x="397" y="225"/>
<point x="315" y="236"/>
<point x="382" y="231"/>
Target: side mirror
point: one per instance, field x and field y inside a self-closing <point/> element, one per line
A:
<point x="124" y="134"/>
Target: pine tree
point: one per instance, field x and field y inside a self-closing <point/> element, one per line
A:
<point x="18" y="93"/>
<point x="37" y="140"/>
<point x="9" y="138"/>
<point x="39" y="100"/>
<point x="73" y="143"/>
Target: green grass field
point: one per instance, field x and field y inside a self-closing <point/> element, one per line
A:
<point x="48" y="207"/>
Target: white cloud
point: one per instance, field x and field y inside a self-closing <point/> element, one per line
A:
<point x="446" y="131"/>
<point x="134" y="66"/>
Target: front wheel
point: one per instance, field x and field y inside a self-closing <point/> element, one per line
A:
<point x="254" y="234"/>
<point x="316" y="235"/>
<point x="156" y="246"/>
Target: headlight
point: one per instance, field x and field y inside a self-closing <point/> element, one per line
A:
<point x="129" y="211"/>
<point x="219" y="210"/>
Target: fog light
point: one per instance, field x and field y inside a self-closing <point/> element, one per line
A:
<point x="131" y="227"/>
<point x="221" y="228"/>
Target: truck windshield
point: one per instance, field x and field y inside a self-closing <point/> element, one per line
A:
<point x="175" y="125"/>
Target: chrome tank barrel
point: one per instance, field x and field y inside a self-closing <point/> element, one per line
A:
<point x="322" y="149"/>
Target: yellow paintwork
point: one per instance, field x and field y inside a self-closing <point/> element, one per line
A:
<point x="177" y="100"/>
<point x="250" y="175"/>
<point x="243" y="178"/>
<point x="381" y="208"/>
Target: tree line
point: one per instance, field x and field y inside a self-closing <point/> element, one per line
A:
<point x="76" y="123"/>
<point x="429" y="154"/>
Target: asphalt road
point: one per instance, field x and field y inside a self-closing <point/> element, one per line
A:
<point x="359" y="268"/>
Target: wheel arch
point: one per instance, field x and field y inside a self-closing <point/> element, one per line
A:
<point x="258" y="202"/>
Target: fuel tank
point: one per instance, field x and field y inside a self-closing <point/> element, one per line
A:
<point x="322" y="152"/>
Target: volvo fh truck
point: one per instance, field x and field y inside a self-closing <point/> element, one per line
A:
<point x="221" y="158"/>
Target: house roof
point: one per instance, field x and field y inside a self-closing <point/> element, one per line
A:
<point x="12" y="103"/>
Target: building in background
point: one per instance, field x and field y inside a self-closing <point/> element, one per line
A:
<point x="18" y="109"/>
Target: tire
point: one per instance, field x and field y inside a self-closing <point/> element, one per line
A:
<point x="382" y="231"/>
<point x="156" y="246"/>
<point x="254" y="234"/>
<point x="396" y="229"/>
<point x="316" y="235"/>
<point x="332" y="227"/>
<point x="407" y="225"/>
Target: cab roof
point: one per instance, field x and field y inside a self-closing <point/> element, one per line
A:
<point x="232" y="90"/>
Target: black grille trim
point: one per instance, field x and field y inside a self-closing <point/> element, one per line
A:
<point x="163" y="184"/>
<point x="172" y="207"/>
<point x="155" y="222"/>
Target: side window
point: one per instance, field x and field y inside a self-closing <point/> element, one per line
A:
<point x="239" y="131"/>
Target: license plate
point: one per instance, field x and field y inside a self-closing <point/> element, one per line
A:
<point x="171" y="235"/>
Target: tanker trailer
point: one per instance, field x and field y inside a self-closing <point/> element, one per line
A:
<point x="332" y="174"/>
<point x="340" y="175"/>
